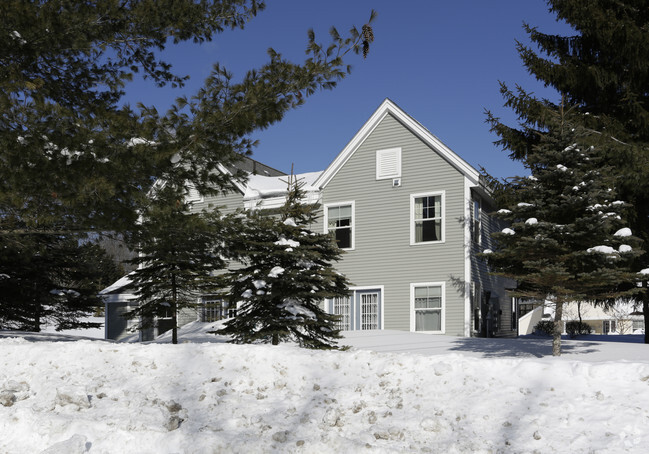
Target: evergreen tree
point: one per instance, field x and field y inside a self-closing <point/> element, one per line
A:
<point x="287" y="274"/>
<point x="66" y="161"/>
<point x="51" y="280"/>
<point x="180" y="253"/>
<point x="74" y="159"/>
<point x="567" y="239"/>
<point x="603" y="70"/>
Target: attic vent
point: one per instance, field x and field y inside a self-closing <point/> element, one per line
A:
<point x="388" y="163"/>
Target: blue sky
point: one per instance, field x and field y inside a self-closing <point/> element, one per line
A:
<point x="439" y="61"/>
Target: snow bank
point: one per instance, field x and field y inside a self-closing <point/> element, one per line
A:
<point x="101" y="397"/>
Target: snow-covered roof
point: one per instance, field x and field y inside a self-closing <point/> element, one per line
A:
<point x="261" y="186"/>
<point x="269" y="192"/>
<point x="119" y="284"/>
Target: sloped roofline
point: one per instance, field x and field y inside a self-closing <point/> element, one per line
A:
<point x="242" y="184"/>
<point x="389" y="107"/>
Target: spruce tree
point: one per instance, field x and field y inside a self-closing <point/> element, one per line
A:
<point x="51" y="280"/>
<point x="603" y="70"/>
<point x="287" y="273"/>
<point x="179" y="255"/>
<point x="75" y="159"/>
<point x="567" y="239"/>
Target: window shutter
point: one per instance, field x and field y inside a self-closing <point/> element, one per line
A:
<point x="388" y="163"/>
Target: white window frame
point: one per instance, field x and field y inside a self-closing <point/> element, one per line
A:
<point x="353" y="226"/>
<point x="637" y="324"/>
<point x="611" y="325"/>
<point x="349" y="301"/>
<point x="443" y="306"/>
<point x="379" y="156"/>
<point x="381" y="290"/>
<point x="355" y="315"/>
<point x="442" y="195"/>
<point x="476" y="237"/>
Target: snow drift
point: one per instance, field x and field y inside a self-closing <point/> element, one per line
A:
<point x="100" y="397"/>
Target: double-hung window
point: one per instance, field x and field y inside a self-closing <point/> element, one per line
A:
<point x="427" y="307"/>
<point x="638" y="324"/>
<point x="427" y="218"/>
<point x="476" y="225"/>
<point x="340" y="221"/>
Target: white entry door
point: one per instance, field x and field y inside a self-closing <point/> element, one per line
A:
<point x="361" y="310"/>
<point x="369" y="316"/>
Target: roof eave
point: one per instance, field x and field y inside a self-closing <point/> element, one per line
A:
<point x="389" y="107"/>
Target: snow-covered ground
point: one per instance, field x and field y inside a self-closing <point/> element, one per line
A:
<point x="94" y="333"/>
<point x="429" y="394"/>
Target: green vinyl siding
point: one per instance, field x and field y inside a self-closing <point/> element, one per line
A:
<point x="383" y="254"/>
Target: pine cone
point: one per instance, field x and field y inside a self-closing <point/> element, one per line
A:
<point x="368" y="37"/>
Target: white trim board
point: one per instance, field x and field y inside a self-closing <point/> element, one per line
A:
<point x="387" y="107"/>
<point x="325" y="217"/>
<point x="442" y="285"/>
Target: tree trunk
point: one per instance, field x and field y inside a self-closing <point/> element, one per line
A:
<point x="579" y="313"/>
<point x="556" y="333"/>
<point x="174" y="306"/>
<point x="645" y="312"/>
<point x="37" y="318"/>
<point x="37" y="311"/>
<point x="275" y="339"/>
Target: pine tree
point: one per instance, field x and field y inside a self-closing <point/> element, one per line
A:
<point x="51" y="280"/>
<point x="287" y="273"/>
<point x="602" y="70"/>
<point x="180" y="253"/>
<point x="74" y="159"/>
<point x="66" y="161"/>
<point x="567" y="239"/>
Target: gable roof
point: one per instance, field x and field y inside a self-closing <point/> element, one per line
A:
<point x="119" y="285"/>
<point x="388" y="107"/>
